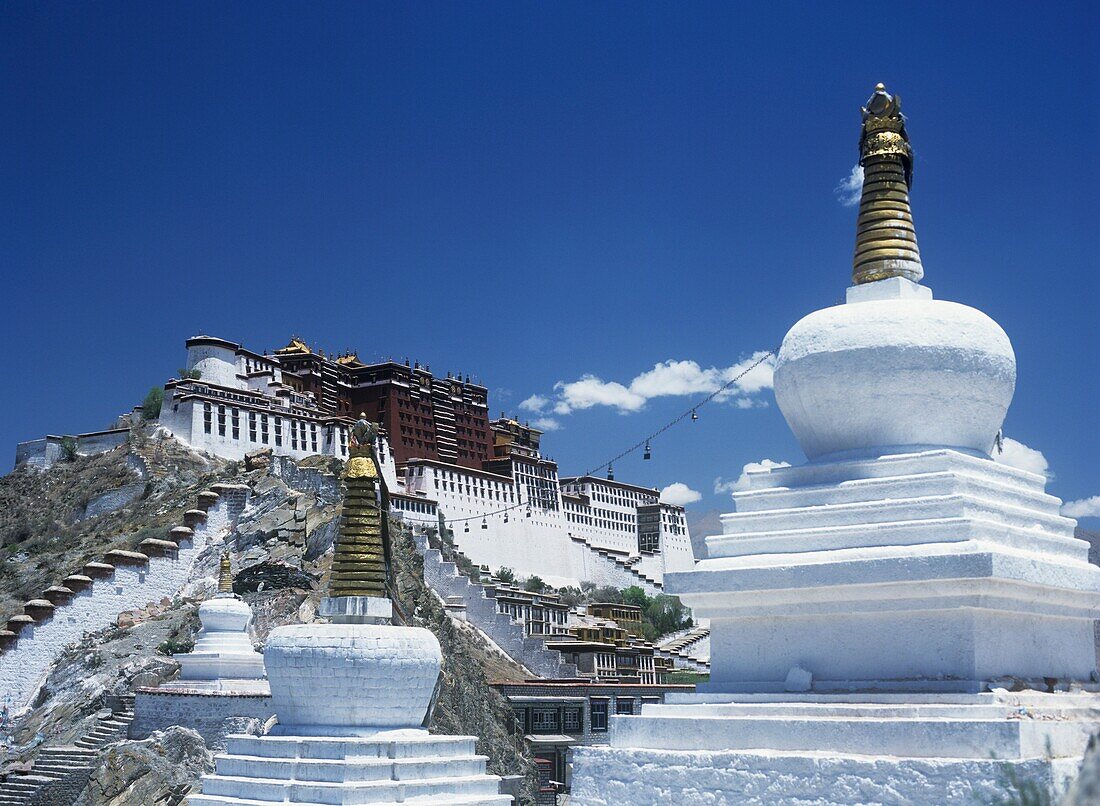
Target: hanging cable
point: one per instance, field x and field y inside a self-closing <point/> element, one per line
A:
<point x="691" y="414"/>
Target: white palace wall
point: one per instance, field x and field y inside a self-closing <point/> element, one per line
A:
<point x="23" y="667"/>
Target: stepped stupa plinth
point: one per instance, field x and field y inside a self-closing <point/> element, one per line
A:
<point x="900" y="619"/>
<point x="353" y="697"/>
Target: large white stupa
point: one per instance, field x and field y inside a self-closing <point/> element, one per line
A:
<point x="353" y="698"/>
<point x="901" y="619"/>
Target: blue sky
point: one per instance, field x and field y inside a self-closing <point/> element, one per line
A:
<point x="532" y="193"/>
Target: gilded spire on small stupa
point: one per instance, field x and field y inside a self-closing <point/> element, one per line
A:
<point x="361" y="558"/>
<point x="225" y="575"/>
<point x="886" y="241"/>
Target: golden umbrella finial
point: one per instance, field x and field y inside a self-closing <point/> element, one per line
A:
<point x="886" y="241"/>
<point x="225" y="575"/>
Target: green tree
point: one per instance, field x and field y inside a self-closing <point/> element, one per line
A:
<point x="606" y="595"/>
<point x="506" y="575"/>
<point x="571" y="597"/>
<point x="535" y="584"/>
<point x="636" y="596"/>
<point x="68" y="448"/>
<point x="190" y="374"/>
<point x="150" y="407"/>
<point x="667" y="614"/>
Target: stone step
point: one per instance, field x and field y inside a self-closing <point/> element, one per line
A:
<point x="278" y="791"/>
<point x="905" y="738"/>
<point x="890" y="487"/>
<point x="335" y="771"/>
<point x="434" y="800"/>
<point x="895" y="533"/>
<point x="944" y="711"/>
<point x="341" y="748"/>
<point x="892" y="511"/>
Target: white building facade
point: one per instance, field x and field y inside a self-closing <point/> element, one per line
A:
<point x="514" y="513"/>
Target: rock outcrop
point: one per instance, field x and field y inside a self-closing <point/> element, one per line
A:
<point x="158" y="769"/>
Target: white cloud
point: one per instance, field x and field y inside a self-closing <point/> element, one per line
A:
<point x="850" y="188"/>
<point x="672" y="378"/>
<point x="590" y="391"/>
<point x="535" y="403"/>
<point x="1017" y="454"/>
<point x="546" y="424"/>
<point x="1082" y="508"/>
<point x="742" y="482"/>
<point x="679" y="494"/>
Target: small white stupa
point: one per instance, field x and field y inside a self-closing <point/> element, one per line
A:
<point x="223" y="656"/>
<point x="901" y="619"/>
<point x="353" y="698"/>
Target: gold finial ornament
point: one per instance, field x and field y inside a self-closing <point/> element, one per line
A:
<point x="886" y="241"/>
<point x="360" y="562"/>
<point x="225" y="575"/>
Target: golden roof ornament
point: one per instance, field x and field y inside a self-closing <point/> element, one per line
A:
<point x="886" y="240"/>
<point x="360" y="563"/>
<point x="225" y="575"/>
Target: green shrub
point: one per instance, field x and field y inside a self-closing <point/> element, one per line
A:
<point x="506" y="575"/>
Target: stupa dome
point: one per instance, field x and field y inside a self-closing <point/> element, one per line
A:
<point x="893" y="368"/>
<point x="225" y="614"/>
<point x="895" y="372"/>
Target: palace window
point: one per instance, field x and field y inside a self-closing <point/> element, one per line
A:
<point x="521" y="719"/>
<point x="278" y="432"/>
<point x="571" y="720"/>
<point x="624" y="705"/>
<point x="544" y="720"/>
<point x="206" y="418"/>
<point x="236" y="424"/>
<point x="598" y="715"/>
<point x="251" y="426"/>
<point x="221" y="421"/>
<point x="263" y="428"/>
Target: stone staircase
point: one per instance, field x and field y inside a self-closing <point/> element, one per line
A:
<point x="60" y="773"/>
<point x="680" y="647"/>
<point x="111" y="728"/>
<point x="623" y="565"/>
<point x="447" y="581"/>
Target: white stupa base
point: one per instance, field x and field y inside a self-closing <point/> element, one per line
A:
<point x="211" y="666"/>
<point x="926" y="571"/>
<point x="838" y="749"/>
<point x="408" y="766"/>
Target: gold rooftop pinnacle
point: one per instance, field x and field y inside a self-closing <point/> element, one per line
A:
<point x="361" y="559"/>
<point x="886" y="241"/>
<point x="225" y="575"/>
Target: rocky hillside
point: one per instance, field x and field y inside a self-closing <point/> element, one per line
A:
<point x="281" y="550"/>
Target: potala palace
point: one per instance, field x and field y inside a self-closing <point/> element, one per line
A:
<point x="444" y="461"/>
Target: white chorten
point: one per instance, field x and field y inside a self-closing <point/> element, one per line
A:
<point x="353" y="697"/>
<point x="870" y="608"/>
<point x="223" y="655"/>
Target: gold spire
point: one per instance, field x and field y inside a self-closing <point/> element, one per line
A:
<point x="361" y="556"/>
<point x="886" y="241"/>
<point x="225" y="575"/>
